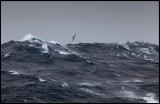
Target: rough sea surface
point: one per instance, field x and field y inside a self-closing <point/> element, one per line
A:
<point x="38" y="71"/>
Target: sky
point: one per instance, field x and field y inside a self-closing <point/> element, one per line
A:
<point x="92" y="21"/>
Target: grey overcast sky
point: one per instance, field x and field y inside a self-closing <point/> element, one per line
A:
<point x="92" y="21"/>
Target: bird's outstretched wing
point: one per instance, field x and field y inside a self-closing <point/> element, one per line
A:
<point x="73" y="37"/>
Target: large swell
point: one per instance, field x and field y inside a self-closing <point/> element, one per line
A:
<point x="38" y="71"/>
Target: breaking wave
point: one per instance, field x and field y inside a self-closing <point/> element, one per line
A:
<point x="38" y="71"/>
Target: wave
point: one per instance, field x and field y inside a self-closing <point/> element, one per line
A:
<point x="36" y="70"/>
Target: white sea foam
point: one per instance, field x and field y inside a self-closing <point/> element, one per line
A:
<point x="64" y="84"/>
<point x="89" y="61"/>
<point x="14" y="72"/>
<point x="126" y="81"/>
<point x="130" y="81"/>
<point x="129" y="94"/>
<point x="150" y="98"/>
<point x="41" y="79"/>
<point x="28" y="37"/>
<point x="72" y="52"/>
<point x="145" y="57"/>
<point x="63" y="52"/>
<point x="133" y="54"/>
<point x="90" y="91"/>
<point x="125" y="55"/>
<point x="45" y="47"/>
<point x="89" y="84"/>
<point x="137" y="80"/>
<point x="145" y="50"/>
<point x="25" y="101"/>
<point x="53" y="42"/>
<point x="124" y="45"/>
<point x="31" y="45"/>
<point x="116" y="74"/>
<point x="6" y="55"/>
<point x="34" y="39"/>
<point x="118" y="55"/>
<point x="31" y="38"/>
<point x="52" y="80"/>
<point x="132" y="42"/>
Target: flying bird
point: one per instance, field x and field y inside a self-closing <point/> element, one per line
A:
<point x="73" y="37"/>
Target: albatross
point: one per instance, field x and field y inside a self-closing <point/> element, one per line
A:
<point x="73" y="37"/>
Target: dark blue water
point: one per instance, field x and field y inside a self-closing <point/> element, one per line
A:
<point x="37" y="71"/>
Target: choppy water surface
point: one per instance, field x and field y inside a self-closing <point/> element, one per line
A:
<point x="37" y="71"/>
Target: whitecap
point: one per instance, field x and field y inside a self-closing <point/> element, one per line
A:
<point x="128" y="93"/>
<point x="6" y="55"/>
<point x="63" y="52"/>
<point x="145" y="50"/>
<point x="65" y="84"/>
<point x="31" y="45"/>
<point x="25" y="101"/>
<point x="125" y="55"/>
<point x="89" y="91"/>
<point x="130" y="81"/>
<point x="145" y="57"/>
<point x="29" y="37"/>
<point x="89" y="61"/>
<point x="126" y="81"/>
<point x="45" y="48"/>
<point x="89" y="84"/>
<point x="41" y="79"/>
<point x="133" y="54"/>
<point x="52" y="80"/>
<point x="124" y="45"/>
<point x="137" y="80"/>
<point x="34" y="39"/>
<point x="118" y="55"/>
<point x="53" y="42"/>
<point x="14" y="72"/>
<point x="116" y="74"/>
<point x="72" y="52"/>
<point x="150" y="98"/>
